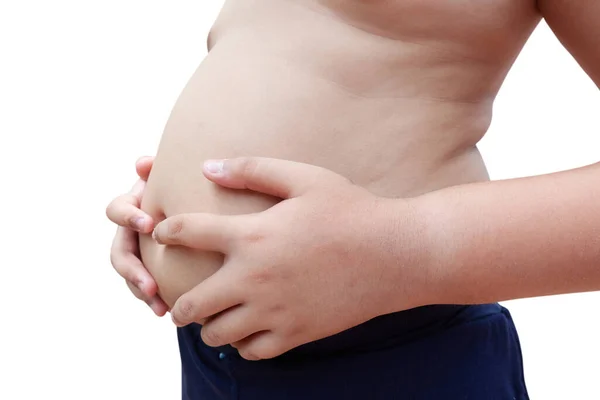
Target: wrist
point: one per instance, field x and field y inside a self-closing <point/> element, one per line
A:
<point x="431" y="213"/>
<point x="411" y="269"/>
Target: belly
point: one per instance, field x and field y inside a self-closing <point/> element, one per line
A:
<point x="252" y="102"/>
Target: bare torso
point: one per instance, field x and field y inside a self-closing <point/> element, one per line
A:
<point x="393" y="94"/>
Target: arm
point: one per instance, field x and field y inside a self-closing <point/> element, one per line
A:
<point x="517" y="238"/>
<point x="524" y="237"/>
<point x="577" y="25"/>
<point x="332" y="255"/>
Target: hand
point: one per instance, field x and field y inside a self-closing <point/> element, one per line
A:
<point x="313" y="265"/>
<point x="124" y="254"/>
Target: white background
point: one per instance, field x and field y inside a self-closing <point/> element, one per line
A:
<point x="86" y="87"/>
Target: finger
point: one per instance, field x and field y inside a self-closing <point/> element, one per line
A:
<point x="230" y="326"/>
<point x="156" y="304"/>
<point x="137" y="292"/>
<point x="128" y="265"/>
<point x="137" y="190"/>
<point x="125" y="211"/>
<point x="200" y="231"/>
<point x="261" y="346"/>
<point x="279" y="178"/>
<point x="143" y="166"/>
<point x="215" y="294"/>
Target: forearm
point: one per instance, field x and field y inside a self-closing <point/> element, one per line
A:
<point x="512" y="239"/>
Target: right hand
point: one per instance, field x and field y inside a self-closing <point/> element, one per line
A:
<point x="124" y="254"/>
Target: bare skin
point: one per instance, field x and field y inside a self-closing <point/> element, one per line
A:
<point x="392" y="95"/>
<point x="304" y="260"/>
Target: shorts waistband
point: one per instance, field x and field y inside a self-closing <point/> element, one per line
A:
<point x="396" y="329"/>
<point x="384" y="331"/>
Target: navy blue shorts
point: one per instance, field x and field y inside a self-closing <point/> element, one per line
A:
<point x="441" y="352"/>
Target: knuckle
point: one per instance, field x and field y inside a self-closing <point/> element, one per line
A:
<point x="109" y="210"/>
<point x="129" y="198"/>
<point x="252" y="233"/>
<point x="259" y="276"/>
<point x="124" y="200"/>
<point x="121" y="210"/>
<point x="248" y="166"/>
<point x="112" y="209"/>
<point x="276" y="309"/>
<point x="129" y="220"/>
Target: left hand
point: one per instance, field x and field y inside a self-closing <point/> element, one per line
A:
<point x="321" y="261"/>
<point x="124" y="253"/>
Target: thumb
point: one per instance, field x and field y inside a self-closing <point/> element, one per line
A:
<point x="275" y="177"/>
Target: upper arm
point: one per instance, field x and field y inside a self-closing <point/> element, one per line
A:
<point x="576" y="24"/>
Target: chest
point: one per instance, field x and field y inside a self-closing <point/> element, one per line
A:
<point x="477" y="23"/>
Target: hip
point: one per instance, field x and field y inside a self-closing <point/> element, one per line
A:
<point x="433" y="352"/>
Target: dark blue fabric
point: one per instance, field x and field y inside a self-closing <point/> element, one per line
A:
<point x="441" y="352"/>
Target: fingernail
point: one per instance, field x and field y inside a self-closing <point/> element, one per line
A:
<point x="175" y="320"/>
<point x="138" y="223"/>
<point x="155" y="234"/>
<point x="214" y="166"/>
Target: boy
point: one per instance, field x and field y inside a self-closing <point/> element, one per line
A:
<point x="393" y="96"/>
